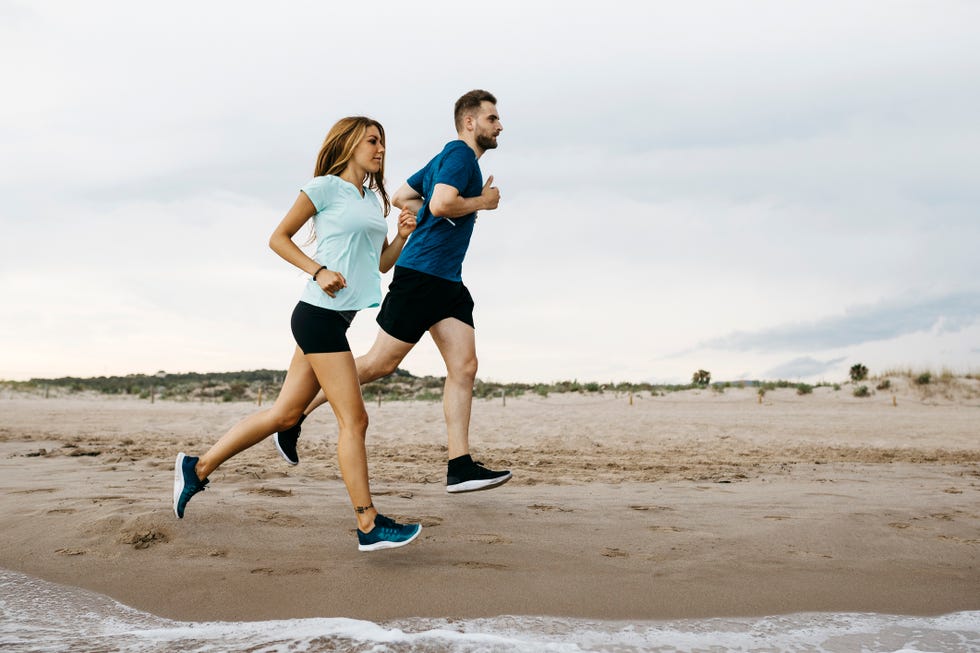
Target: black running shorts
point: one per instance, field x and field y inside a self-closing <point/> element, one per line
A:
<point x="416" y="300"/>
<point x="319" y="330"/>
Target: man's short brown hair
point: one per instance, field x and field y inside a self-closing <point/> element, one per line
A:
<point x="470" y="103"/>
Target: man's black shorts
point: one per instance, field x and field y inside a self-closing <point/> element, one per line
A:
<point x="416" y="300"/>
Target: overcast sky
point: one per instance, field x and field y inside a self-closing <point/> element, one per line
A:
<point x="760" y="189"/>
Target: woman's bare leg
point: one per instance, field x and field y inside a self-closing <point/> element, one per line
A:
<point x="299" y="387"/>
<point x="337" y="375"/>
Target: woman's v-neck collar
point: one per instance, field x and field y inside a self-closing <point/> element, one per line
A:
<point x="362" y="192"/>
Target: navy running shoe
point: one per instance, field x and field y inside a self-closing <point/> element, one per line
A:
<point x="467" y="475"/>
<point x="286" y="442"/>
<point x="186" y="483"/>
<point x="387" y="534"/>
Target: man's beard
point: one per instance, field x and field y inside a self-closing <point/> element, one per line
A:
<point x="486" y="142"/>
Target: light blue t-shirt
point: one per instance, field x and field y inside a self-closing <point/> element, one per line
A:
<point x="350" y="231"/>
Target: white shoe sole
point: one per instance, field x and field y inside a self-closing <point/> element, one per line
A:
<point x="483" y="484"/>
<point x="178" y="480"/>
<point x="377" y="546"/>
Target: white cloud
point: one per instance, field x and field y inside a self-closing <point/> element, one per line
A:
<point x="670" y="174"/>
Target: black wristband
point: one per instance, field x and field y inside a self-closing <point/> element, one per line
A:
<point x="320" y="269"/>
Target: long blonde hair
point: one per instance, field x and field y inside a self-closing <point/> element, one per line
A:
<point x="338" y="148"/>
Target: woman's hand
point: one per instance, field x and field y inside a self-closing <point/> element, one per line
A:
<point x="406" y="222"/>
<point x="331" y="282"/>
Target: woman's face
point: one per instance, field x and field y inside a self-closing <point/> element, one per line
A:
<point x="369" y="153"/>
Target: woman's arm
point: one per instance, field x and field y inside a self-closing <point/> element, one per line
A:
<point x="391" y="251"/>
<point x="281" y="242"/>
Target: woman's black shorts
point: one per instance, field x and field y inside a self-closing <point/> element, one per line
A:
<point x="416" y="300"/>
<point x="319" y="330"/>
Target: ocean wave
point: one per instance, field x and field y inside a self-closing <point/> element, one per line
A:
<point x="42" y="617"/>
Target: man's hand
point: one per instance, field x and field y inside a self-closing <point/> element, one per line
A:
<point x="490" y="195"/>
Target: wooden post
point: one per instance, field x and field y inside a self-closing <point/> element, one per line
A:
<point x="260" y="396"/>
<point x="503" y="396"/>
<point x="894" y="401"/>
<point x="631" y="397"/>
<point x="153" y="392"/>
<point x="379" y="400"/>
<point x="47" y="388"/>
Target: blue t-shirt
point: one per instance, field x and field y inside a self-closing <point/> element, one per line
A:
<point x="350" y="231"/>
<point x="436" y="246"/>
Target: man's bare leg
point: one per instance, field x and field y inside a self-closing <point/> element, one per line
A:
<point x="456" y="341"/>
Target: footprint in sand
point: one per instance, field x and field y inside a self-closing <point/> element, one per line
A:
<point x="274" y="517"/>
<point x="899" y="525"/>
<point x="71" y="552"/>
<point x="143" y="538"/>
<point x="667" y="529"/>
<point x="812" y="554"/>
<point x="61" y="511"/>
<point x="271" y="492"/>
<point x="475" y="564"/>
<point x="388" y="493"/>
<point x="657" y="508"/>
<point x="77" y="453"/>
<point x="615" y="553"/>
<point x="488" y="538"/>
<point x="298" y="571"/>
<point x="959" y="540"/>
<point x="540" y="506"/>
<point x="777" y="517"/>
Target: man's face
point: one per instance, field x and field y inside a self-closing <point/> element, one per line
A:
<point x="487" y="126"/>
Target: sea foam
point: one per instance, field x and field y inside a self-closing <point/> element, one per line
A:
<point x="44" y="617"/>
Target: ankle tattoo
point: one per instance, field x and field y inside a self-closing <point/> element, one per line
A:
<point x="363" y="509"/>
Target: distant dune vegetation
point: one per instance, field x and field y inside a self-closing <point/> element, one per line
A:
<point x="263" y="385"/>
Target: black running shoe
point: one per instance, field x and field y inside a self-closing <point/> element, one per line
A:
<point x="186" y="483"/>
<point x="286" y="442"/>
<point x="466" y="475"/>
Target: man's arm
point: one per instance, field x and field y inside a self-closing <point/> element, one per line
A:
<point x="448" y="203"/>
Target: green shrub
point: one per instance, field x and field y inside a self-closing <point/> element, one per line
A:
<point x="859" y="372"/>
<point x="923" y="379"/>
<point x="701" y="378"/>
<point x="804" y="389"/>
<point x="862" y="391"/>
<point x="884" y="385"/>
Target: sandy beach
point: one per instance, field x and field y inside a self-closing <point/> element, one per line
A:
<point x="692" y="504"/>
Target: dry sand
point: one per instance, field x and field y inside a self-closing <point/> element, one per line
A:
<point x="692" y="504"/>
